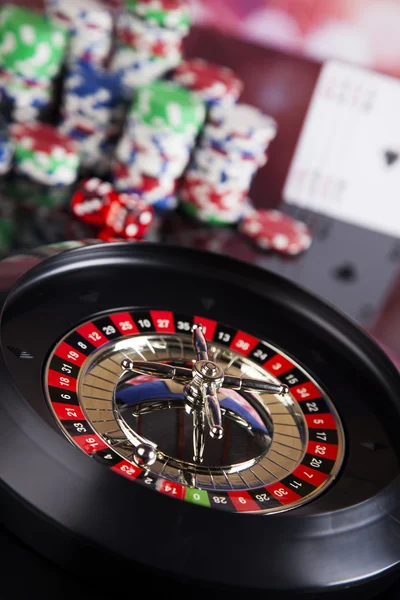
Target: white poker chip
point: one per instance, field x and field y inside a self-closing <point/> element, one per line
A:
<point x="140" y="68"/>
<point x="216" y="167"/>
<point x="247" y="121"/>
<point x="151" y="158"/>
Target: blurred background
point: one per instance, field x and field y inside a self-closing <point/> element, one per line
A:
<point x="361" y="31"/>
<point x="364" y="32"/>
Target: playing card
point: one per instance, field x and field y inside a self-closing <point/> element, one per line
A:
<point x="347" y="161"/>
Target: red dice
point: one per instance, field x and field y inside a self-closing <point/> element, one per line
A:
<point x="128" y="217"/>
<point x="92" y="199"/>
<point x="107" y="235"/>
<point x="124" y="216"/>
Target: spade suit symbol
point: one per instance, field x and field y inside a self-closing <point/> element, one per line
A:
<point x="391" y="156"/>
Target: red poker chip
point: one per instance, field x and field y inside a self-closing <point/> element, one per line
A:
<point x="273" y="230"/>
<point x="41" y="137"/>
<point x="200" y="75"/>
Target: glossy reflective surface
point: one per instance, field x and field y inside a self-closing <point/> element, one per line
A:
<point x="103" y="407"/>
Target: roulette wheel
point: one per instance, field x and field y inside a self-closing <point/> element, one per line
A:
<point x="179" y="419"/>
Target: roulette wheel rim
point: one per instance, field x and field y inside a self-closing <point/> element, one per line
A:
<point x="51" y="493"/>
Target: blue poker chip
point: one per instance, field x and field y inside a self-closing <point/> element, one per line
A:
<point x="99" y="88"/>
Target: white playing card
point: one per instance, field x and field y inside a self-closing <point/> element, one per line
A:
<point x="347" y="161"/>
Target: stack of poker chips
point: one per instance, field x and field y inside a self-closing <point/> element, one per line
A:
<point x="149" y="40"/>
<point x="218" y="86"/>
<point x="93" y="113"/>
<point x="44" y="154"/>
<point x="232" y="148"/>
<point x="90" y="27"/>
<point x="159" y="136"/>
<point x="6" y="148"/>
<point x="32" y="50"/>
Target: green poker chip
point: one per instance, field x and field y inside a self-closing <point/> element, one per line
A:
<point x="45" y="168"/>
<point x="45" y="162"/>
<point x="30" y="44"/>
<point x="173" y="18"/>
<point x="165" y="105"/>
